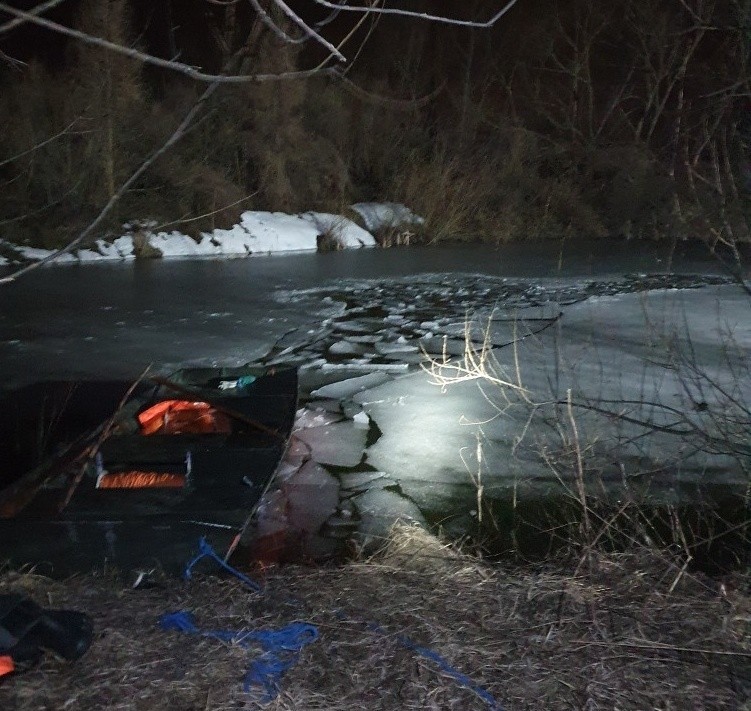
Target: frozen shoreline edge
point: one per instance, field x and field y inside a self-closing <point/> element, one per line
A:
<point x="258" y="233"/>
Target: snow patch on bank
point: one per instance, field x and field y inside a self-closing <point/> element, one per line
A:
<point x="257" y="233"/>
<point x="386" y="215"/>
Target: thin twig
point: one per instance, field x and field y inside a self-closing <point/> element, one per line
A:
<point x="442" y="19"/>
<point x="104" y="433"/>
<point x="39" y="145"/>
<point x="38" y="10"/>
<point x="172" y="65"/>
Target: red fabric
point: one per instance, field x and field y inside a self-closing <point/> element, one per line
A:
<point x="6" y="665"/>
<point x="141" y="480"/>
<point x="183" y="417"/>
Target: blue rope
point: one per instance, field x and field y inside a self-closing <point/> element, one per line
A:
<point x="458" y="676"/>
<point x="206" y="551"/>
<point x="281" y="647"/>
<point x="441" y="662"/>
<point x="267" y="670"/>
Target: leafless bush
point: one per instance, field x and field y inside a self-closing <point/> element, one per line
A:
<point x="618" y="461"/>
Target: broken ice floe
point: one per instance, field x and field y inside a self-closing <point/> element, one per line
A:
<point x="345" y="348"/>
<point x="397" y="348"/>
<point x="422" y="441"/>
<point x="312" y="498"/>
<point x="310" y="417"/>
<point x="364" y="480"/>
<point x="379" y="509"/>
<point x="340" y="444"/>
<point x="347" y="388"/>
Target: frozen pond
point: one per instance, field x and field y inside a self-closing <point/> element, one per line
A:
<point x="637" y="382"/>
<point x="644" y="376"/>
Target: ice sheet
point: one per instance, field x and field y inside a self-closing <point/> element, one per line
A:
<point x="312" y="496"/>
<point x="622" y="349"/>
<point x="347" y="388"/>
<point x="341" y="444"/>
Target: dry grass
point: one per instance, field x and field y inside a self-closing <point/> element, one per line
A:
<point x="626" y="635"/>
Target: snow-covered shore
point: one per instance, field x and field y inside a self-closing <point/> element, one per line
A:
<point x="258" y="233"/>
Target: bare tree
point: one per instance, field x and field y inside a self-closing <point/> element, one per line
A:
<point x="306" y="31"/>
<point x="277" y="16"/>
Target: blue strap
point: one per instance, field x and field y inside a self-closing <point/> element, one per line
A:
<point x="433" y="656"/>
<point x="281" y="647"/>
<point x="460" y="678"/>
<point x="206" y="551"/>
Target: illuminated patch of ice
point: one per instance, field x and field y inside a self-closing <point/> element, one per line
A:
<point x="392" y="348"/>
<point x="428" y="434"/>
<point x="392" y="367"/>
<point x="352" y="326"/>
<point x="308" y="417"/>
<point x="374" y="338"/>
<point x="347" y="388"/>
<point x="360" y="480"/>
<point x="340" y="444"/>
<point x="361" y="420"/>
<point x="346" y="348"/>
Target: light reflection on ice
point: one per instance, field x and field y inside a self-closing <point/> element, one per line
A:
<point x="347" y="388"/>
<point x="425" y="450"/>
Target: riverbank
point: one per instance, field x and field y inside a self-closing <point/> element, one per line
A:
<point x="256" y="233"/>
<point x="419" y="625"/>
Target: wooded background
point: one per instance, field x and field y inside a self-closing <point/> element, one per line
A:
<point x="570" y="118"/>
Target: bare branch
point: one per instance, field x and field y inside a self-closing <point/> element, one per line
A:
<point x="176" y="135"/>
<point x="278" y="31"/>
<point x="309" y="31"/>
<point x="12" y="61"/>
<point x="44" y="208"/>
<point x="172" y="65"/>
<point x="39" y="145"/>
<point x="398" y="104"/>
<point x="420" y="15"/>
<point x="38" y="10"/>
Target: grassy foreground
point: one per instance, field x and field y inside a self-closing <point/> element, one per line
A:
<point x="629" y="631"/>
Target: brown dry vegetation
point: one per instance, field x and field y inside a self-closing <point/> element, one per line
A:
<point x="630" y="631"/>
<point x="625" y="118"/>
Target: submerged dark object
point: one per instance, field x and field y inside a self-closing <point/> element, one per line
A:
<point x="27" y="630"/>
<point x="101" y="472"/>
